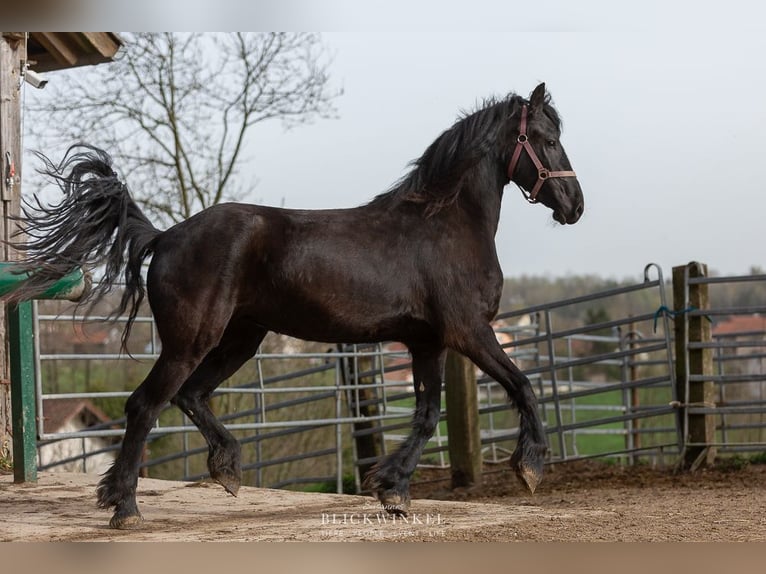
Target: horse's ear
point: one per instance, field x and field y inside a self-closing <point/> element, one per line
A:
<point x="537" y="99"/>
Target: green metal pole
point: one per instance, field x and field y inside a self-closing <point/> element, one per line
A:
<point x="73" y="286"/>
<point x="23" y="412"/>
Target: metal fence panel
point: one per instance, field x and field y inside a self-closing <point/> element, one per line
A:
<point x="312" y="416"/>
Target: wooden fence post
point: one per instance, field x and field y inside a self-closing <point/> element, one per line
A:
<point x="693" y="362"/>
<point x="12" y="53"/>
<point x="364" y="397"/>
<point x="464" y="439"/>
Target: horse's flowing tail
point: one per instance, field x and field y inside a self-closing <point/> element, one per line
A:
<point x="96" y="224"/>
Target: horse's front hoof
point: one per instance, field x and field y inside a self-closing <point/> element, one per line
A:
<point x="528" y="464"/>
<point x="394" y="502"/>
<point x="528" y="477"/>
<point x="126" y="522"/>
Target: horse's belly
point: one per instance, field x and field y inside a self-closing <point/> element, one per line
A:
<point x="342" y="319"/>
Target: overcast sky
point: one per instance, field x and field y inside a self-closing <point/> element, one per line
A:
<point x="663" y="104"/>
<point x="665" y="133"/>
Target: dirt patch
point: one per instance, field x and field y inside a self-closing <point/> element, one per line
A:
<point x="576" y="502"/>
<point x="592" y="501"/>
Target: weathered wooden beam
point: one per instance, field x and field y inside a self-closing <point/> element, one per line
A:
<point x="12" y="54"/>
<point x="53" y="51"/>
<point x="369" y="445"/>
<point x="699" y="429"/>
<point x="105" y="44"/>
<point x="56" y="46"/>
<point x="462" y="398"/>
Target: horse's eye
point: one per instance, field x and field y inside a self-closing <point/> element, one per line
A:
<point x="551" y="143"/>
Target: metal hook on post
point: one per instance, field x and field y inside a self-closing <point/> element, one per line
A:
<point x="9" y="169"/>
<point x="10" y="166"/>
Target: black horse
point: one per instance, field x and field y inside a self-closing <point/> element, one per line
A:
<point x="417" y="264"/>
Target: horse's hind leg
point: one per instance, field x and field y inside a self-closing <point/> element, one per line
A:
<point x="389" y="479"/>
<point x="239" y="343"/>
<point x="487" y="354"/>
<point x="117" y="488"/>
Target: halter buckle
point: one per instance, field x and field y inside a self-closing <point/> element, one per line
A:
<point x="527" y="196"/>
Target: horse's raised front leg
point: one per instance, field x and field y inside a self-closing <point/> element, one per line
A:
<point x="487" y="354"/>
<point x="389" y="479"/>
<point x="239" y="343"/>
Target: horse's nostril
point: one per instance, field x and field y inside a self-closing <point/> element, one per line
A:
<point x="579" y="209"/>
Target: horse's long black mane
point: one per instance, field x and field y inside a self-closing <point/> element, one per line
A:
<point x="436" y="177"/>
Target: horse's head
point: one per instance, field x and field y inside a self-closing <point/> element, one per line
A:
<point x="539" y="164"/>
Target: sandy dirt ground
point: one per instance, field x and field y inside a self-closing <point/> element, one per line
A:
<point x="576" y="502"/>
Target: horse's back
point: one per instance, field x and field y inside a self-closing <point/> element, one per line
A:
<point x="331" y="275"/>
<point x="207" y="244"/>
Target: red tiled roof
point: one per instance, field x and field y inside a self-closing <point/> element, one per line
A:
<point x="741" y="324"/>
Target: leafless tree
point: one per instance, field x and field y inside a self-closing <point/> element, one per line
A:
<point x="174" y="110"/>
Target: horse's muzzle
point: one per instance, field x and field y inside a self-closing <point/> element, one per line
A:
<point x="569" y="212"/>
<point x="576" y="213"/>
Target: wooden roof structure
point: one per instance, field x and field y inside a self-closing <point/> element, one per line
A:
<point x="52" y="51"/>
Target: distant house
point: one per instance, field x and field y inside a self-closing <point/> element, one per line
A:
<point x="72" y="415"/>
<point x="750" y="328"/>
<point x="745" y="358"/>
<point x="506" y="333"/>
<point x="741" y="325"/>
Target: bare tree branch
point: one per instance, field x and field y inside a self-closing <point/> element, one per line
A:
<point x="175" y="110"/>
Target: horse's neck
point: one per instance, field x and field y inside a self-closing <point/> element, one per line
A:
<point x="482" y="197"/>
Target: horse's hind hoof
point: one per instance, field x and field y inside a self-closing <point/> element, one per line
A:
<point x="230" y="483"/>
<point x="129" y="522"/>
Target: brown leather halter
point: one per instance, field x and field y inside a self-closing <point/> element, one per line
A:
<point x="543" y="174"/>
